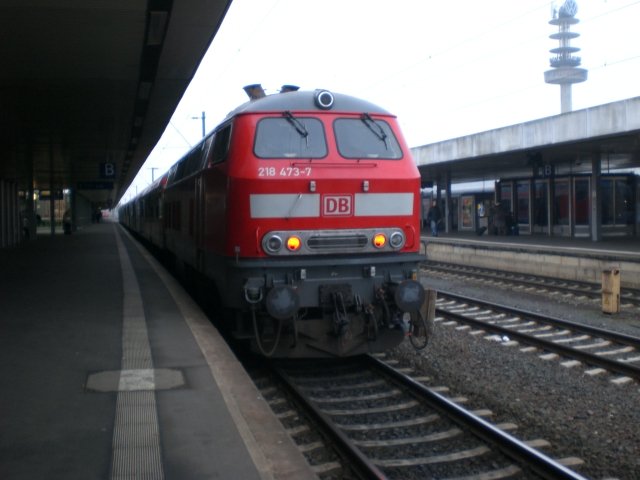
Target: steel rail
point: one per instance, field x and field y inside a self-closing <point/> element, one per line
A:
<point x="629" y="340"/>
<point x="575" y="287"/>
<point x="356" y="460"/>
<point x="541" y="464"/>
<point x="611" y="365"/>
<point x="590" y="289"/>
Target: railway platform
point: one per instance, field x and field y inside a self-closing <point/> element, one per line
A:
<point x="109" y="370"/>
<point x="558" y="257"/>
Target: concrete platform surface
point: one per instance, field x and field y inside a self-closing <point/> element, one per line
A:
<point x="110" y="370"/>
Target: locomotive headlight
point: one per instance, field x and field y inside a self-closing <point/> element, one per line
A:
<point x="294" y="243"/>
<point x="396" y="240"/>
<point x="324" y="99"/>
<point x="273" y="243"/>
<point x="379" y="240"/>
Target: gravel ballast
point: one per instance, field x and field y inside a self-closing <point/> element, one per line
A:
<point x="582" y="416"/>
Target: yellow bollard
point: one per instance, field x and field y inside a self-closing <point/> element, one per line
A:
<point x="611" y="290"/>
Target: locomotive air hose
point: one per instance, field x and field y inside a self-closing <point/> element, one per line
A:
<point x="259" y="342"/>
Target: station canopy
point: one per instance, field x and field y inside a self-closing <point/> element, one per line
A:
<point x="87" y="87"/>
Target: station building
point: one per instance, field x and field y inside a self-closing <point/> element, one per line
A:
<point x="571" y="175"/>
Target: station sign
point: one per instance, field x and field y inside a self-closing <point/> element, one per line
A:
<point x="546" y="170"/>
<point x="107" y="170"/>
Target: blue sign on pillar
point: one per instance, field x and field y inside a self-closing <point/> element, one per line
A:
<point x="107" y="170"/>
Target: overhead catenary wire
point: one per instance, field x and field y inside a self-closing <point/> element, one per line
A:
<point x="444" y="65"/>
<point x="503" y="52"/>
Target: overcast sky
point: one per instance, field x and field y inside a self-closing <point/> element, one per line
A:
<point x="446" y="69"/>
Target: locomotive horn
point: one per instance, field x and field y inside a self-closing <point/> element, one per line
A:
<point x="289" y="88"/>
<point x="282" y="302"/>
<point x="255" y="91"/>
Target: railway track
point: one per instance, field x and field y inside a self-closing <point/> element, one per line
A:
<point x="629" y="298"/>
<point x="574" y="344"/>
<point x="383" y="423"/>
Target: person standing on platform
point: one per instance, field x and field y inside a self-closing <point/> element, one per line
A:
<point x="26" y="226"/>
<point x="433" y="217"/>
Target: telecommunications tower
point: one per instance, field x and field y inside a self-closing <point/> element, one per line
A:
<point x="564" y="65"/>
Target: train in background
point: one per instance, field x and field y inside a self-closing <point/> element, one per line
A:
<point x="300" y="214"/>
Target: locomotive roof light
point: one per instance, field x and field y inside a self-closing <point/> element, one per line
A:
<point x="379" y="240"/>
<point x="324" y="99"/>
<point x="294" y="243"/>
<point x="396" y="240"/>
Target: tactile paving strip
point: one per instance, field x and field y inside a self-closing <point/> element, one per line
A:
<point x="136" y="438"/>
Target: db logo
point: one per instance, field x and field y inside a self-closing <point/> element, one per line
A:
<point x="337" y="205"/>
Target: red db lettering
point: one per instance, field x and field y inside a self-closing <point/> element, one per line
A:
<point x="337" y="205"/>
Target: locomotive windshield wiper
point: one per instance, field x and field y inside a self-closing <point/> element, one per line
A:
<point x="375" y="128"/>
<point x="297" y="124"/>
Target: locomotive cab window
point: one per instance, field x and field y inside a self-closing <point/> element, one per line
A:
<point x="290" y="137"/>
<point x="218" y="152"/>
<point x="365" y="137"/>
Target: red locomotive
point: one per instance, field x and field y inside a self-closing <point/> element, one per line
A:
<point x="300" y="211"/>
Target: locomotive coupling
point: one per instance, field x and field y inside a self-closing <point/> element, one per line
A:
<point x="409" y="295"/>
